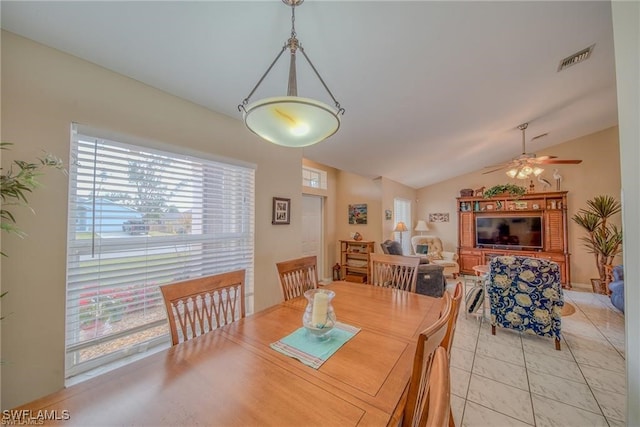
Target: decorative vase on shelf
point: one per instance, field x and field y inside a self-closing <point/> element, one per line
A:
<point x="319" y="318"/>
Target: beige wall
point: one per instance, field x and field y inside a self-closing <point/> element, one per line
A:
<point x="43" y="91"/>
<point x="355" y="189"/>
<point x="599" y="173"/>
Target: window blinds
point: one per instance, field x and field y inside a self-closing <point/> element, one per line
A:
<point x="140" y="218"/>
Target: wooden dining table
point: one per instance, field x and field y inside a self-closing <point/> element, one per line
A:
<point x="232" y="377"/>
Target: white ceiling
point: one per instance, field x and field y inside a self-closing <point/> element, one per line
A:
<point x="432" y="90"/>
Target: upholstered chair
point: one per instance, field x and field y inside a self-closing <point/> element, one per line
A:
<point x="436" y="254"/>
<point x="525" y="294"/>
<point x="616" y="287"/>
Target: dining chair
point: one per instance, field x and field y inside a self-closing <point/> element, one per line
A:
<point x="437" y="412"/>
<point x="297" y="276"/>
<point x="416" y="411"/>
<point x="201" y="305"/>
<point x="456" y="300"/>
<point x="394" y="271"/>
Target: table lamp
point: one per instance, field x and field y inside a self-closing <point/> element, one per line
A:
<point x="421" y="226"/>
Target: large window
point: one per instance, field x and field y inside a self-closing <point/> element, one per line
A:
<point x="140" y="218"/>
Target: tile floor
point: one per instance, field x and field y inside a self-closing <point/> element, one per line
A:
<point x="515" y="380"/>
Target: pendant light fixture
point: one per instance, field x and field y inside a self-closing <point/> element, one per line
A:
<point x="290" y="120"/>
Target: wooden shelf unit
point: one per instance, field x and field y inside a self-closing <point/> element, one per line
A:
<point x="355" y="264"/>
<point x="552" y="206"/>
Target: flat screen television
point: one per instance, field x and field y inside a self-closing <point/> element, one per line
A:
<point x="523" y="232"/>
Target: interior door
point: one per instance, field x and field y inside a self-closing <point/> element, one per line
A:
<point x="312" y="229"/>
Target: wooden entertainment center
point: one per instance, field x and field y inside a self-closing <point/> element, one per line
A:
<point x="550" y="207"/>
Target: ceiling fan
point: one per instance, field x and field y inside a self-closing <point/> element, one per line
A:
<point x="527" y="164"/>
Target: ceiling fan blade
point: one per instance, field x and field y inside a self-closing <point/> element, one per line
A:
<point x="499" y="165"/>
<point x="560" y="162"/>
<point x="492" y="170"/>
<point x="541" y="158"/>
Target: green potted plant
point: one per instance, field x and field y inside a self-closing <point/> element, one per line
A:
<point x="15" y="184"/>
<point x="603" y="240"/>
<point x="511" y="189"/>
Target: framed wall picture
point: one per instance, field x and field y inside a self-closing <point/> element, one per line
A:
<point x="440" y="217"/>
<point x="281" y="212"/>
<point x="358" y="214"/>
<point x="387" y="214"/>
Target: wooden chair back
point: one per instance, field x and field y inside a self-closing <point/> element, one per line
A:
<point x="416" y="410"/>
<point x="297" y="276"/>
<point x="453" y="318"/>
<point x="201" y="305"/>
<point x="438" y="407"/>
<point x="394" y="271"/>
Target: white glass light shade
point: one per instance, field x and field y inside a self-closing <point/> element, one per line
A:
<point x="421" y="226"/>
<point x="291" y="121"/>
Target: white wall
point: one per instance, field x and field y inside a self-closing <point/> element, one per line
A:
<point x="626" y="32"/>
<point x="43" y="91"/>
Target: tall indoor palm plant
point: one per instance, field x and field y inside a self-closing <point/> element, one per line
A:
<point x="603" y="240"/>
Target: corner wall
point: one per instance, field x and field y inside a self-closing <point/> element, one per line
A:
<point x="626" y="36"/>
<point x="356" y="189"/>
<point x="43" y="91"/>
<point x="599" y="173"/>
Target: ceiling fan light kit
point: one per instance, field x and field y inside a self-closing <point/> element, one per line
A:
<point x="526" y="165"/>
<point x="290" y="120"/>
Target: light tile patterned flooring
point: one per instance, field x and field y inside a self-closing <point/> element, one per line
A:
<point x="512" y="379"/>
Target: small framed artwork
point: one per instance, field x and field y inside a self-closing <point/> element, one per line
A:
<point x="387" y="214"/>
<point x="438" y="217"/>
<point x="358" y="214"/>
<point x="281" y="211"/>
<point x="521" y="205"/>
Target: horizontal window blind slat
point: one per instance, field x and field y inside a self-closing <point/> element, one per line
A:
<point x="140" y="218"/>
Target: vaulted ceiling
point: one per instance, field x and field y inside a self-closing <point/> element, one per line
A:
<point x="431" y="90"/>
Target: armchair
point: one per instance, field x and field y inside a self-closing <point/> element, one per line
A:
<point x="617" y="288"/>
<point x="436" y="254"/>
<point x="525" y="294"/>
<point x="430" y="279"/>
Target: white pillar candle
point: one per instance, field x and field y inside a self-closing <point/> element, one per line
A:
<point x="319" y="313"/>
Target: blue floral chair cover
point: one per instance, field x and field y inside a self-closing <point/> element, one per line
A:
<point x="526" y="294"/>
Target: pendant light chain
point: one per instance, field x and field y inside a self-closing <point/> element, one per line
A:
<point x="292" y="87"/>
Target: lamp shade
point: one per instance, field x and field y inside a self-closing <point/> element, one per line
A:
<point x="291" y="121"/>
<point x="401" y="227"/>
<point x="421" y="226"/>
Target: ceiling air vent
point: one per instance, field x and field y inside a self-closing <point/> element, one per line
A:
<point x="576" y="58"/>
